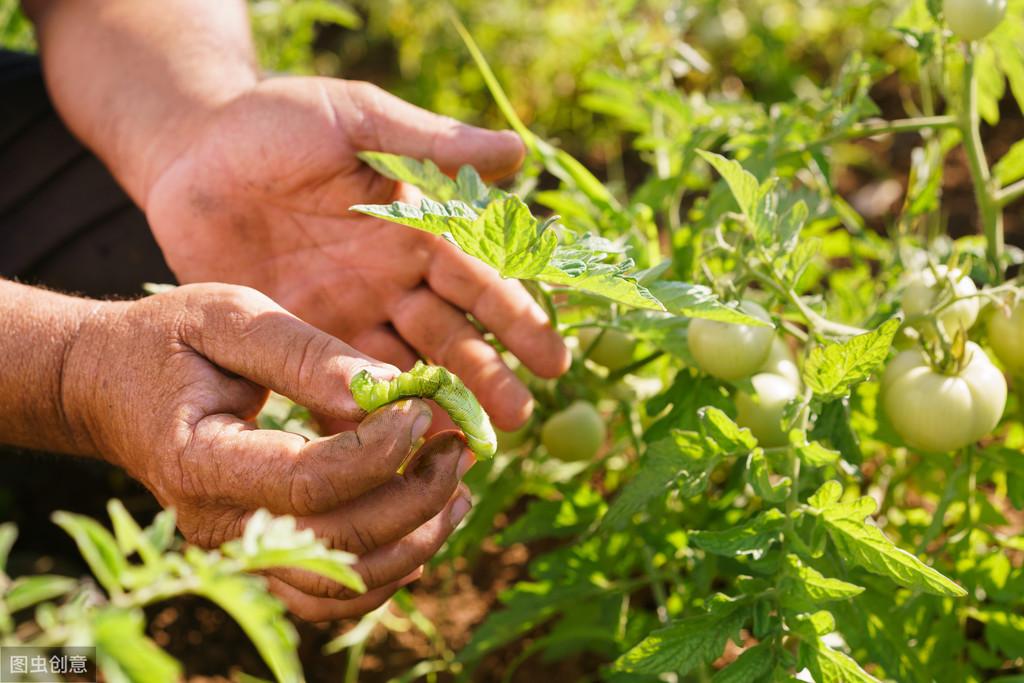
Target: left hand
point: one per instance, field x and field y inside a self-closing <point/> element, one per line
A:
<point x="260" y="197"/>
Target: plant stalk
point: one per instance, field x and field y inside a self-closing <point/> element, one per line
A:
<point x="988" y="208"/>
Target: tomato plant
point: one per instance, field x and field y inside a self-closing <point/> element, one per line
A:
<point x="794" y="381"/>
<point x="944" y="411"/>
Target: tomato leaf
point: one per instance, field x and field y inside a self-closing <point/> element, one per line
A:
<point x="830" y="666"/>
<point x="270" y="542"/>
<point x="1011" y="166"/>
<point x="727" y="436"/>
<point x="864" y="544"/>
<point x="687" y="644"/>
<point x="423" y="174"/>
<point x="833" y="425"/>
<point x="750" y="667"/>
<point x="804" y="588"/>
<point x="752" y="538"/>
<point x="611" y="281"/>
<point x="27" y="591"/>
<point x="698" y="301"/>
<point x="431" y="216"/>
<point x="261" y="616"/>
<point x="834" y="368"/>
<point x="98" y="548"/>
<point x="759" y="479"/>
<point x="683" y="456"/>
<point x="8" y="535"/>
<point x="526" y="606"/>
<point x="125" y="653"/>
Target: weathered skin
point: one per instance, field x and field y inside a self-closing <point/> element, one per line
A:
<point x="439" y="385"/>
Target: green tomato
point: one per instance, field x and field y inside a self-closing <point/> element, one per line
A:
<point x="1006" y="335"/>
<point x="762" y="412"/>
<point x="614" y="350"/>
<point x="924" y="290"/>
<point x="574" y="434"/>
<point x="935" y="412"/>
<point x="973" y="19"/>
<point x="729" y="351"/>
<point x="781" y="362"/>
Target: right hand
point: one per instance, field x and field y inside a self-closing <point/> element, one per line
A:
<point x="168" y="387"/>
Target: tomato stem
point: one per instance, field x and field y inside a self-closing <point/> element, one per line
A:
<point x="988" y="206"/>
<point x="1010" y="194"/>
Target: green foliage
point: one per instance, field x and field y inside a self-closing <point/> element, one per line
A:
<point x="786" y="535"/>
<point x="70" y="612"/>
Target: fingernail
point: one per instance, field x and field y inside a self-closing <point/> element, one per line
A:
<point x="382" y="372"/>
<point x="465" y="462"/>
<point x="459" y="510"/>
<point x="420" y="426"/>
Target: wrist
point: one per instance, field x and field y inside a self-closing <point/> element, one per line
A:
<point x="41" y="331"/>
<point x="137" y="79"/>
<point x="88" y="386"/>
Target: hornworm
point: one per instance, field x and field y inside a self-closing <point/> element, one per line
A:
<point x="439" y="385"/>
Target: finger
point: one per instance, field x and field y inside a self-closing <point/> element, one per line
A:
<point x="389" y="124"/>
<point x="311" y="608"/>
<point x="502" y="306"/>
<point x="378" y="518"/>
<point x="245" y="332"/>
<point x="231" y="462"/>
<point x="386" y="564"/>
<point x="443" y="334"/>
<point x="383" y="343"/>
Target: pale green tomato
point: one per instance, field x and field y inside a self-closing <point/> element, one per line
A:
<point x="614" y="350"/>
<point x="782" y="362"/>
<point x="973" y="19"/>
<point x="924" y="290"/>
<point x="575" y="433"/>
<point x="1006" y="335"/>
<point x="940" y="413"/>
<point x="729" y="351"/>
<point x="762" y="412"/>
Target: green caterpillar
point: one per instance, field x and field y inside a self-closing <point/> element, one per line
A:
<point x="441" y="386"/>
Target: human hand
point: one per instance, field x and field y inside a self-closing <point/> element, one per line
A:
<point x="260" y="197"/>
<point x="168" y="388"/>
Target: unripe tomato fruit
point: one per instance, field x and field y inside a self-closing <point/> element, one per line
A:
<point x="762" y="413"/>
<point x="614" y="350"/>
<point x="973" y="19"/>
<point x="729" y="351"/>
<point x="923" y="291"/>
<point x="781" y="362"/>
<point x="940" y="413"/>
<point x="1006" y="335"/>
<point x="575" y="433"/>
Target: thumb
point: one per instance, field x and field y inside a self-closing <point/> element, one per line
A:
<point x="389" y="124"/>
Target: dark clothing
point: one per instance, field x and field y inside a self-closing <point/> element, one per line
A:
<point x="64" y="224"/>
